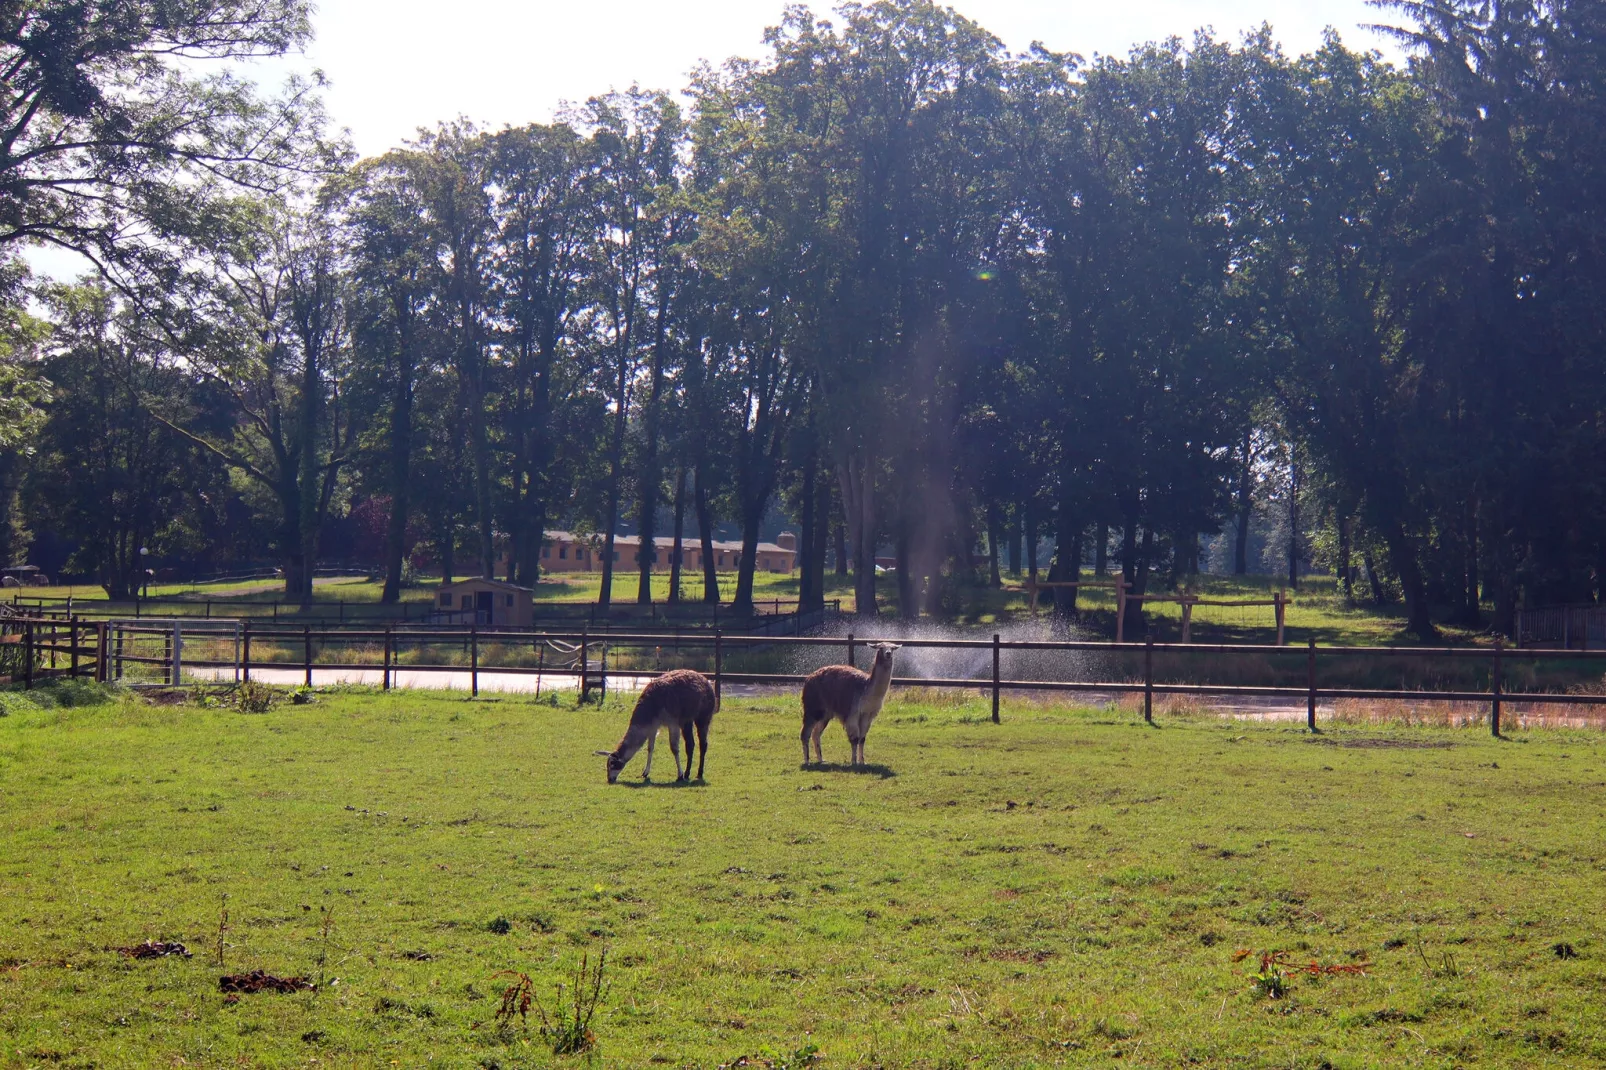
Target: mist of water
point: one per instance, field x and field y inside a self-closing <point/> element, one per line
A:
<point x="964" y="663"/>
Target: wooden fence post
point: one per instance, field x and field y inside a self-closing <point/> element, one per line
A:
<point x="474" y="661"/>
<point x="72" y="644"/>
<point x="850" y="652"/>
<point x="995" y="678"/>
<point x="1279" y="604"/>
<point x="1496" y="682"/>
<point x="389" y="649"/>
<point x="1120" y="610"/>
<point x="245" y="650"/>
<point x="1310" y="681"/>
<point x="27" y="654"/>
<point x="1187" y="619"/>
<point x="1148" y="680"/>
<point x="719" y="666"/>
<point x="306" y="651"/>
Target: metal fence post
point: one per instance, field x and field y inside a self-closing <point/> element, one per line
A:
<point x="306" y="651"/>
<point x="245" y="650"/>
<point x="1148" y="680"/>
<point x="995" y="678"/>
<point x="1496" y="682"/>
<point x="585" y="676"/>
<point x="1310" y="680"/>
<point x="389" y="647"/>
<point x="474" y="662"/>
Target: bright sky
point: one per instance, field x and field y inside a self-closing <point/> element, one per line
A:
<point x="396" y="65"/>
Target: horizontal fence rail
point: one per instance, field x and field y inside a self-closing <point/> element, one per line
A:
<point x="769" y="615"/>
<point x="151" y="650"/>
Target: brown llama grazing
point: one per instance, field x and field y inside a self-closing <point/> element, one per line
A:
<point x="847" y="695"/>
<point x="681" y="701"/>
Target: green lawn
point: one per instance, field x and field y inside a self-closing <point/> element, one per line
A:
<point x="1065" y="889"/>
<point x="1317" y="610"/>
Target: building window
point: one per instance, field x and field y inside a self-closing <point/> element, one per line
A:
<point x="563" y="553"/>
<point x="446" y="600"/>
<point x="546" y="551"/>
<point x="509" y="602"/>
<point x="468" y="601"/>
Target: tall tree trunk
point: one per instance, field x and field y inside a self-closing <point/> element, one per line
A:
<point x="1245" y="504"/>
<point x="747" y="564"/>
<point x="1133" y="625"/>
<point x="806" y="535"/>
<point x="1402" y="554"/>
<point x="1101" y="551"/>
<point x="1013" y="537"/>
<point x="1345" y="578"/>
<point x="705" y="531"/>
<point x="1379" y="596"/>
<point x="1471" y="613"/>
<point x="908" y="603"/>
<point x="647" y="512"/>
<point x="1031" y="545"/>
<point x="446" y="539"/>
<point x="401" y="452"/>
<point x="677" y="553"/>
<point x="857" y="476"/>
<point x="840" y="550"/>
<point x="616" y="460"/>
<point x="307" y="473"/>
<point x="994" y="532"/>
<point x="1293" y="522"/>
<point x="816" y="560"/>
<point x="1067" y="564"/>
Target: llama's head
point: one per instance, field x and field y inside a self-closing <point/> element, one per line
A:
<point x="883" y="655"/>
<point x="617" y="759"/>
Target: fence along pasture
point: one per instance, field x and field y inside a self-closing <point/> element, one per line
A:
<point x="1279" y="602"/>
<point x="584" y="657"/>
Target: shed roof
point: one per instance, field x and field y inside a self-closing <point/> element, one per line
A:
<point x="501" y="585"/>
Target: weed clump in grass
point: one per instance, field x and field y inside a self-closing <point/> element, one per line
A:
<point x="252" y="696"/>
<point x="567" y="1030"/>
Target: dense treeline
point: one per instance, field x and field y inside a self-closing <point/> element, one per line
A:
<point x="916" y="291"/>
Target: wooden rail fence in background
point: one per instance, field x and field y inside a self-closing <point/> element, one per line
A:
<point x="44" y="648"/>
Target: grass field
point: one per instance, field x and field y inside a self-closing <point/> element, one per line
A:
<point x="1065" y="889"/>
<point x="1317" y="611"/>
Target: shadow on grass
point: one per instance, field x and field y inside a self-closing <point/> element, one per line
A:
<point x="663" y="784"/>
<point x="869" y="769"/>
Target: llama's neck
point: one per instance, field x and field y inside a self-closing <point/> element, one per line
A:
<point x="876" y="687"/>
<point x="636" y="736"/>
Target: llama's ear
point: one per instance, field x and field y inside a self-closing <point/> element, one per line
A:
<point x="603" y="753"/>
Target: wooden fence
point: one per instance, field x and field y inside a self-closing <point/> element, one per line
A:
<point x="770" y="615"/>
<point x="86" y="648"/>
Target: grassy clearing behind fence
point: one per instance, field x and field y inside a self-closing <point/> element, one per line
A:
<point x="1060" y="890"/>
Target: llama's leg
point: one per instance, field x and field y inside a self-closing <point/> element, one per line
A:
<point x="652" y="741"/>
<point x="804" y="736"/>
<point x="702" y="749"/>
<point x="819" y="754"/>
<point x="674" y="748"/>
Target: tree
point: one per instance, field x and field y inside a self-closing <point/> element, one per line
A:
<point x="111" y="141"/>
<point x="116" y="499"/>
